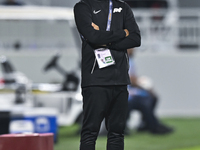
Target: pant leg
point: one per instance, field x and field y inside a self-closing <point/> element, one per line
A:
<point x="132" y="105"/>
<point x="145" y="106"/>
<point x="116" y="118"/>
<point x="95" y="104"/>
<point x="155" y="102"/>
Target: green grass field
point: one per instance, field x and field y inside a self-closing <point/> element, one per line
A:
<point x="185" y="137"/>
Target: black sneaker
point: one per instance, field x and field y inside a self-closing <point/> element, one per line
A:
<point x="162" y="129"/>
<point x="142" y="129"/>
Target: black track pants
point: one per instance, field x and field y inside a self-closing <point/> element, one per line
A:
<point x="99" y="102"/>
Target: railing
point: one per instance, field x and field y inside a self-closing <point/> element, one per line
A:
<point x="169" y="30"/>
<point x="161" y="30"/>
<point x="36" y="28"/>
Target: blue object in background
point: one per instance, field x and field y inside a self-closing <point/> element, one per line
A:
<point x="35" y="120"/>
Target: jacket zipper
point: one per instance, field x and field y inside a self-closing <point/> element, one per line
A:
<point x="127" y="60"/>
<point x="93" y="66"/>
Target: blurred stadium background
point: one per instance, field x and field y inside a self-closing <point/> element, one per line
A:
<point x="170" y="53"/>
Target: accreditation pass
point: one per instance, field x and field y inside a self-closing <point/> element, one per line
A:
<point x="104" y="57"/>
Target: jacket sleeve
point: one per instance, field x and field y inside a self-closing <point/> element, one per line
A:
<point x="134" y="38"/>
<point x="83" y="19"/>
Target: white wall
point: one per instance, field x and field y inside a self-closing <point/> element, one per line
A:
<point x="32" y="63"/>
<point x="176" y="76"/>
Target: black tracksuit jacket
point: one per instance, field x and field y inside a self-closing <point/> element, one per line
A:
<point x="96" y="11"/>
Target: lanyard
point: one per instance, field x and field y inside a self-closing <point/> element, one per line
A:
<point x="107" y="29"/>
<point x="109" y="15"/>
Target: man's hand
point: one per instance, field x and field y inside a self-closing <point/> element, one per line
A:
<point x="127" y="32"/>
<point x="96" y="27"/>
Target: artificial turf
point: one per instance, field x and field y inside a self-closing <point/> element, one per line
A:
<point x="185" y="137"/>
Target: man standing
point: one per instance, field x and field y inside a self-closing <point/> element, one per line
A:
<point x="107" y="29"/>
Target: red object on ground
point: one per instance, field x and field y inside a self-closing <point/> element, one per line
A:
<point x="2" y="81"/>
<point x="33" y="141"/>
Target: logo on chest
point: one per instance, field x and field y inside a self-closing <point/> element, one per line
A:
<point x="96" y="12"/>
<point x="117" y="10"/>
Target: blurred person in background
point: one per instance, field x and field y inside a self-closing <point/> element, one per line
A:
<point x="143" y="98"/>
<point x="109" y="25"/>
<point x="12" y="3"/>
